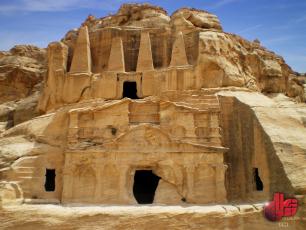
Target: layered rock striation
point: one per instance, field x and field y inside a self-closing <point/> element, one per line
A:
<point x="22" y="71"/>
<point x="145" y="108"/>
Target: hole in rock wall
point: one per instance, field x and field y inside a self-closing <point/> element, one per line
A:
<point x="145" y="184"/>
<point x="257" y="180"/>
<point x="130" y="90"/>
<point x="10" y="120"/>
<point x="114" y="131"/>
<point x="50" y="180"/>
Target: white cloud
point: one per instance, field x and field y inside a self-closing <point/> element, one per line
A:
<point x="249" y="29"/>
<point x="222" y="3"/>
<point x="57" y="5"/>
<point x="301" y="19"/>
<point x="278" y="40"/>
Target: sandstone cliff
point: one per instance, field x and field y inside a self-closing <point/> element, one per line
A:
<point x="22" y="71"/>
<point x="208" y="112"/>
<point x="221" y="59"/>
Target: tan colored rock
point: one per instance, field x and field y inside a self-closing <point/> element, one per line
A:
<point x="137" y="15"/>
<point x="178" y="56"/>
<point x="145" y="61"/>
<point x="280" y="141"/>
<point x="192" y="40"/>
<point x="116" y="58"/>
<point x="81" y="61"/>
<point x="146" y="217"/>
<point x="57" y="68"/>
<point x="20" y="70"/>
<point x="192" y="18"/>
<point x="140" y="109"/>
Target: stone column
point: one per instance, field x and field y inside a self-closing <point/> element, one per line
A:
<point x="171" y="80"/>
<point x="73" y="128"/>
<point x="99" y="174"/>
<point x="67" y="180"/>
<point x="188" y="192"/>
<point x="220" y="192"/>
<point x="123" y="192"/>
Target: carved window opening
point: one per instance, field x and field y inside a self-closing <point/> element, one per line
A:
<point x="130" y="90"/>
<point x="50" y="180"/>
<point x="145" y="184"/>
<point x="258" y="182"/>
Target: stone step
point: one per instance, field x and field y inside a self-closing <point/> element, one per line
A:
<point x="26" y="190"/>
<point x="25" y="162"/>
<point x="204" y="103"/>
<point x="27" y="177"/>
<point x="186" y="99"/>
<point x="23" y="182"/>
<point x="23" y="174"/>
<point x="200" y="105"/>
<point x="195" y="101"/>
<point x="41" y="201"/>
<point x="25" y="185"/>
<point x="24" y="168"/>
<point x="24" y="171"/>
<point x="212" y="97"/>
<point x="209" y="105"/>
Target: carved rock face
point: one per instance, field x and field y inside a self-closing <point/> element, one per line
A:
<point x="140" y="99"/>
<point x="138" y="44"/>
<point x="195" y="18"/>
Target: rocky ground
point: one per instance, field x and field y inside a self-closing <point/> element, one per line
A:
<point x="139" y="217"/>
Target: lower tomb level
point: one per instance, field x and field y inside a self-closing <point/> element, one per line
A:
<point x="205" y="149"/>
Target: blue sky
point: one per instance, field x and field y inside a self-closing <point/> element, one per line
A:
<point x="280" y="25"/>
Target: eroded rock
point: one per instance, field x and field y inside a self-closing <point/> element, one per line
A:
<point x="143" y="108"/>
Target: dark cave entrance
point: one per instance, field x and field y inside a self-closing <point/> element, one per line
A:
<point x="257" y="180"/>
<point x="145" y="184"/>
<point x="130" y="90"/>
<point x="50" y="180"/>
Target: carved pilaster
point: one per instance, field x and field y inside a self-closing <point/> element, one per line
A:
<point x="190" y="169"/>
<point x="67" y="179"/>
<point x="220" y="192"/>
<point x="124" y="193"/>
<point x="99" y="174"/>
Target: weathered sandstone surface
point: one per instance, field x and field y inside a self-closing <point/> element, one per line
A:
<point x="139" y="217"/>
<point x="22" y="70"/>
<point x="145" y="108"/>
<point x="208" y="56"/>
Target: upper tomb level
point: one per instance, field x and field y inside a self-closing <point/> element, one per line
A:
<point x="143" y="50"/>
